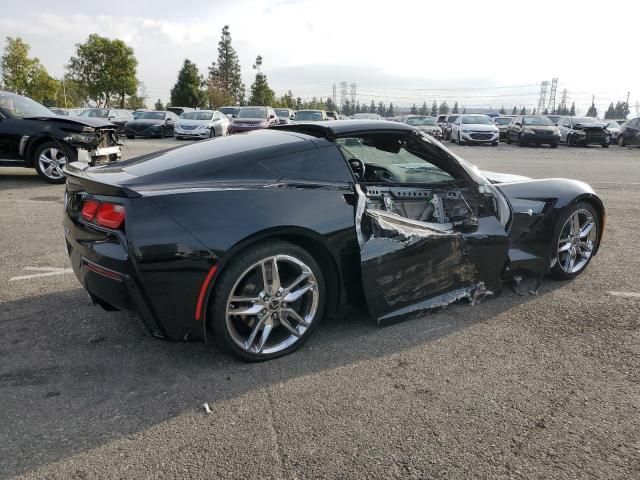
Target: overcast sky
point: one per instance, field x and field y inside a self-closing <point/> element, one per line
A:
<point x="481" y="53"/>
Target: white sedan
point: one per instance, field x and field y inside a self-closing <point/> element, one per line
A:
<point x="474" y="128"/>
<point x="201" y="124"/>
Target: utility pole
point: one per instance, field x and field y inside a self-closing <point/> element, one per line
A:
<point x="343" y="94"/>
<point x="64" y="92"/>
<point x="542" y="101"/>
<point x="353" y="93"/>
<point x="334" y="95"/>
<point x="552" y="95"/>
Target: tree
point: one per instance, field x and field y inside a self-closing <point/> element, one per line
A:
<point x="502" y="110"/>
<point x="424" y="110"/>
<point x="261" y="93"/>
<point x="105" y="69"/>
<point x="135" y="102"/>
<point x="523" y="110"/>
<point x="535" y="112"/>
<point x="572" y="111"/>
<point x="381" y="109"/>
<point x="346" y="108"/>
<point x="546" y="111"/>
<point x="159" y="105"/>
<point x="434" y="109"/>
<point x="187" y="91"/>
<point x="455" y="108"/>
<point x="443" y="109"/>
<point x="592" y="111"/>
<point x="610" y="113"/>
<point x="224" y="84"/>
<point x="514" y="111"/>
<point x="622" y="110"/>
<point x="372" y="107"/>
<point x="70" y="94"/>
<point x="414" y="109"/>
<point x="390" y="112"/>
<point x="27" y="76"/>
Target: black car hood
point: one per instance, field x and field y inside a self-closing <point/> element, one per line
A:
<point x="583" y="126"/>
<point x="85" y="121"/>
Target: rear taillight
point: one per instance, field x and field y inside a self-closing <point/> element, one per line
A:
<point x="105" y="214"/>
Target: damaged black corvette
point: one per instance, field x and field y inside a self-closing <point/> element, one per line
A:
<point x="251" y="239"/>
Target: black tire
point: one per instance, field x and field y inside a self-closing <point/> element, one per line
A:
<point x="223" y="286"/>
<point x="605" y="145"/>
<point x="212" y="132"/>
<point x="494" y="144"/>
<point x="621" y="141"/>
<point x="163" y="133"/>
<point x="67" y="155"/>
<point x="460" y="142"/>
<point x="130" y="136"/>
<point x="554" y="145"/>
<point x="538" y="144"/>
<point x="556" y="271"/>
<point x="521" y="142"/>
<point x="570" y="142"/>
<point x="508" y="139"/>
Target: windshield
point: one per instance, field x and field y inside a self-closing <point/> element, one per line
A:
<point x="313" y="116"/>
<point x="95" y="113"/>
<point x="366" y="116"/>
<point x="151" y="116"/>
<point x="577" y="120"/>
<point x="229" y="110"/>
<point x="476" y="120"/>
<point x="17" y="106"/>
<point x="538" y="121"/>
<point x="502" y="120"/>
<point x="282" y="112"/>
<point x="418" y="121"/>
<point x="613" y="125"/>
<point x="452" y="118"/>
<point x="197" y="116"/>
<point x="252" y="112"/>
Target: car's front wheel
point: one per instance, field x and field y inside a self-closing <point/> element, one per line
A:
<point x="267" y="301"/>
<point x="621" y="141"/>
<point x="576" y="236"/>
<point x="49" y="160"/>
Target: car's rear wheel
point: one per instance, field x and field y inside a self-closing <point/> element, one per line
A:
<point x="554" y="145"/>
<point x="212" y="132"/>
<point x="605" y="145"/>
<point x="576" y="237"/>
<point x="521" y="142"/>
<point x="621" y="141"/>
<point x="508" y="139"/>
<point x="49" y="160"/>
<point x="267" y="301"/>
<point x="570" y="142"/>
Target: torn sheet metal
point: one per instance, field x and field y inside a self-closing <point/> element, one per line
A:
<point x="474" y="294"/>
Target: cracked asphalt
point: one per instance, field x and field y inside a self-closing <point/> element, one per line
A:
<point x="544" y="386"/>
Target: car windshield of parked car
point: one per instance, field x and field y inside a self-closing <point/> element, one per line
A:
<point x="151" y="116"/>
<point x="502" y="120"/>
<point x="421" y="121"/>
<point x="313" y="116"/>
<point x="282" y="112"/>
<point x="95" y="113"/>
<point x="613" y="125"/>
<point x="252" y="113"/>
<point x="197" y="116"/>
<point x="389" y="158"/>
<point x="577" y="120"/>
<point x="229" y="110"/>
<point x="17" y="106"/>
<point x="452" y="118"/>
<point x="476" y="120"/>
<point x="538" y="121"/>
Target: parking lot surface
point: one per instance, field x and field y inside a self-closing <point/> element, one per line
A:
<point x="544" y="386"/>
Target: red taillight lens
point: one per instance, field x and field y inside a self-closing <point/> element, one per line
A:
<point x="89" y="209"/>
<point x="105" y="214"/>
<point x="110" y="215"/>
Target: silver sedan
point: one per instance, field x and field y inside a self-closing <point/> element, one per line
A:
<point x="201" y="124"/>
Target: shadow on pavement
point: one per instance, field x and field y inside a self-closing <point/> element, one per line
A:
<point x="73" y="377"/>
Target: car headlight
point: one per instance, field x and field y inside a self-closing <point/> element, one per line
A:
<point x="529" y="131"/>
<point x="82" y="137"/>
<point x="466" y="131"/>
<point x="556" y="131"/>
<point x="579" y="132"/>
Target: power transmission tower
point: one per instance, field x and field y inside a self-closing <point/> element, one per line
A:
<point x="552" y="96"/>
<point x="353" y="92"/>
<point x="542" y="101"/>
<point x="343" y="94"/>
<point x="334" y="95"/>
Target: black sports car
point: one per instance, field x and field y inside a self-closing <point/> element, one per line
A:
<point x="251" y="239"/>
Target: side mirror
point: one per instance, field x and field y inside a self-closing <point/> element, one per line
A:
<point x="272" y="116"/>
<point x="169" y="120"/>
<point x="111" y="118"/>
<point x="518" y="124"/>
<point x="291" y="117"/>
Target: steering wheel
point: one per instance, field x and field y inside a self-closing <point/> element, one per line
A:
<point x="357" y="167"/>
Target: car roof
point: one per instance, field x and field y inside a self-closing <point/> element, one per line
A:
<point x="336" y="128"/>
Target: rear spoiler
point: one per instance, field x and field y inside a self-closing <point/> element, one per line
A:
<point x="78" y="177"/>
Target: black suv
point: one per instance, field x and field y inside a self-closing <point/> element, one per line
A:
<point x="32" y="136"/>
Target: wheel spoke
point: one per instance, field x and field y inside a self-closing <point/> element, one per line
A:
<point x="285" y="323"/>
<point x="565" y="247"/>
<point x="44" y="159"/>
<point x="254" y="332"/>
<point x="49" y="170"/>
<point x="266" y="331"/>
<point x="293" y="296"/>
<point x="586" y="246"/>
<point x="252" y="310"/>
<point x="245" y="300"/>
<point x="296" y="316"/>
<point x="575" y="224"/>
<point x="302" y="277"/>
<point x="586" y="229"/>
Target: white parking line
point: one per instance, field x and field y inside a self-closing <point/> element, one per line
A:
<point x="625" y="294"/>
<point x="46" y="272"/>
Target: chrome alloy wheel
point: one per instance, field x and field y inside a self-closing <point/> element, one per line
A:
<point x="51" y="162"/>
<point x="272" y="304"/>
<point x="577" y="240"/>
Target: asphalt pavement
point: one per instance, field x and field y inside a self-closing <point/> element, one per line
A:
<point x="544" y="386"/>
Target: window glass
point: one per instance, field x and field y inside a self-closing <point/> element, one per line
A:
<point x="197" y="115"/>
<point x="502" y="120"/>
<point x="152" y="116"/>
<point x="325" y="164"/>
<point x="538" y="121"/>
<point x="394" y="159"/>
